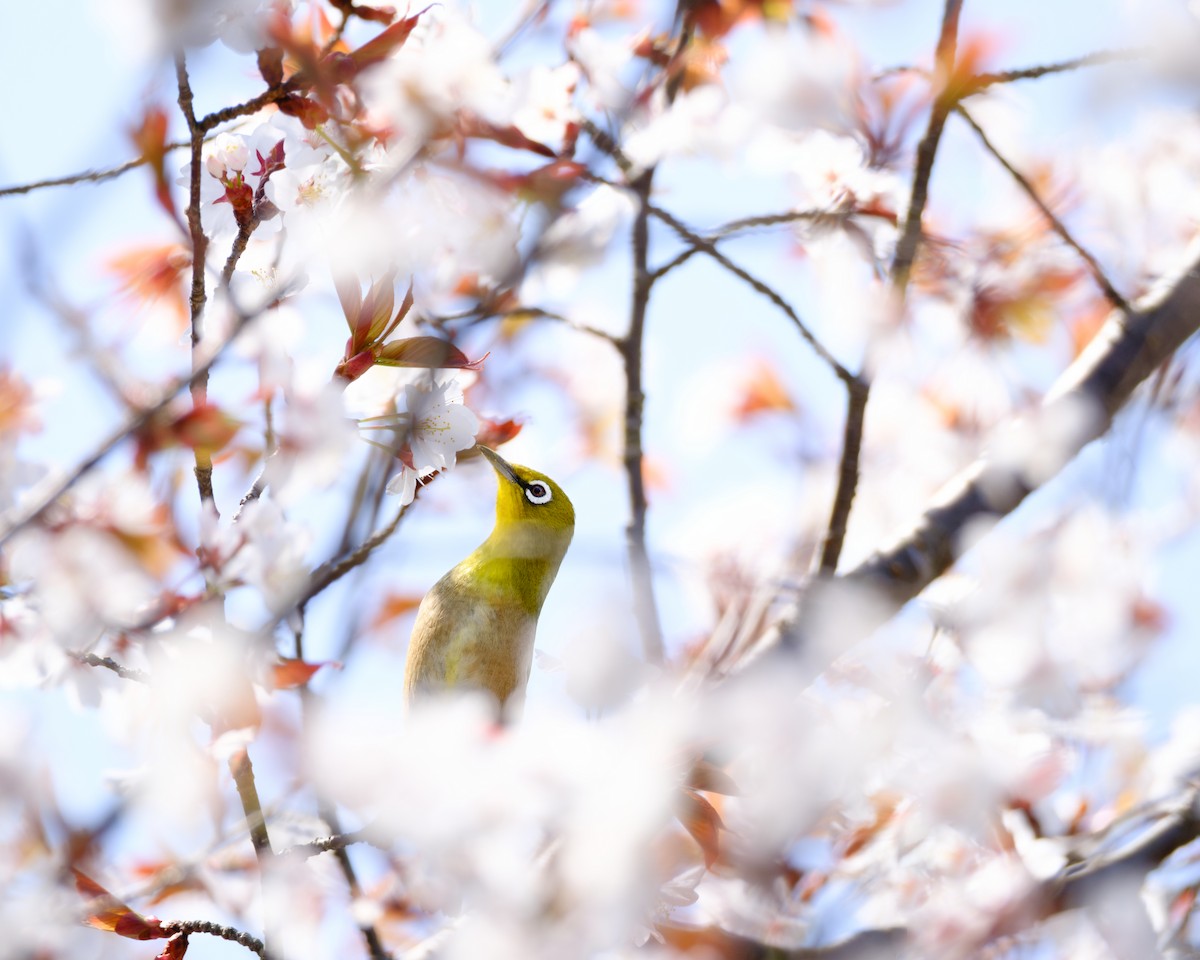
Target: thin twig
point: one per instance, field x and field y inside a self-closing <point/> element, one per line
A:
<point x="339" y="841"/>
<point x="87" y="176"/>
<point x="187" y="927"/>
<point x="676" y="261"/>
<point x="522" y="313"/>
<point x="630" y="345"/>
<point x="329" y="573"/>
<point x="198" y="296"/>
<point x="858" y="390"/>
<point x="16" y="519"/>
<point x="607" y="145"/>
<point x="709" y="248"/>
<point x="983" y="80"/>
<point x="848" y="467"/>
<point x="910" y="234"/>
<point x="773" y="219"/>
<point x="251" y="106"/>
<point x="240" y="241"/>
<point x="125" y="673"/>
<point x="327" y="811"/>
<point x="1102" y="281"/>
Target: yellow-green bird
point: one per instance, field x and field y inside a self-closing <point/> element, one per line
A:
<point x="475" y="627"/>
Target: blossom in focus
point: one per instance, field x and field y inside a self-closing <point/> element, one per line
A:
<point x="430" y="425"/>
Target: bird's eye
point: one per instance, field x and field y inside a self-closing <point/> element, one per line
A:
<point x="538" y="492"/>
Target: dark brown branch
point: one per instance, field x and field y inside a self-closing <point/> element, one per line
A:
<point x="709" y="249"/>
<point x="909" y="242"/>
<point x="252" y="106"/>
<point x="847" y="485"/>
<point x="1078" y="409"/>
<point x="125" y="673"/>
<point x="1102" y="281"/>
<point x="910" y="233"/>
<point x="329" y="573"/>
<point x="15" y="519"/>
<point x="644" y="605"/>
<point x="607" y="145"/>
<point x="87" y="176"/>
<point x="198" y="296"/>
<point x="678" y="260"/>
<point x="187" y="927"/>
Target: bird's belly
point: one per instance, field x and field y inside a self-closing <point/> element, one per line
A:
<point x="485" y="646"/>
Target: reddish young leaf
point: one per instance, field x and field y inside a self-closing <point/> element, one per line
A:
<point x="270" y="65"/>
<point x="710" y="778"/>
<point x="175" y="948"/>
<point x="701" y="820"/>
<point x="379" y="48"/>
<point x="470" y="125"/>
<point x="424" y="352"/>
<point x="492" y="433"/>
<point x="363" y="12"/>
<point x="354" y="367"/>
<point x="395" y="605"/>
<point x="153" y="274"/>
<point x="289" y="673"/>
<point x="106" y="912"/>
<point x="206" y="428"/>
<point x="308" y="112"/>
<point x="150" y="138"/>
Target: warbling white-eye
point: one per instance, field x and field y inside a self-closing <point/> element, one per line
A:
<point x="475" y="626"/>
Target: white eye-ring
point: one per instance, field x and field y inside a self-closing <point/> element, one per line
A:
<point x="538" y="492"/>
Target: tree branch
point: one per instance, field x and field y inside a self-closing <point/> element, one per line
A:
<point x="1106" y="287"/>
<point x="16" y="518"/>
<point x="709" y="248"/>
<point x="644" y="606"/>
<point x="1078" y="409"/>
<point x="982" y="81"/>
<point x="187" y="927"/>
<point x="909" y="242"/>
<point x="87" y="176"/>
<point x="125" y="673"/>
<point x="198" y="296"/>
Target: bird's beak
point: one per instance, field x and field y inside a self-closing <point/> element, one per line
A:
<point x="501" y="466"/>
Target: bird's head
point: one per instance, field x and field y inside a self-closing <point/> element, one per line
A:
<point x="530" y="500"/>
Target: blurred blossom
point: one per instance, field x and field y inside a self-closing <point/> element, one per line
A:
<point x="1143" y="203"/>
<point x="268" y="552"/>
<point x="799" y="79"/>
<point x="830" y="171"/>
<point x="40" y="914"/>
<point x="965" y="912"/>
<point x="543" y="102"/>
<point x="84" y="581"/>
<point x="315" y="438"/>
<point x="153" y="28"/>
<point x="538" y="834"/>
<point x="445" y="67"/>
<point x="700" y="121"/>
<point x="575" y="240"/>
<point x="442" y="227"/>
<point x="603" y="61"/>
<point x="1048" y="622"/>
